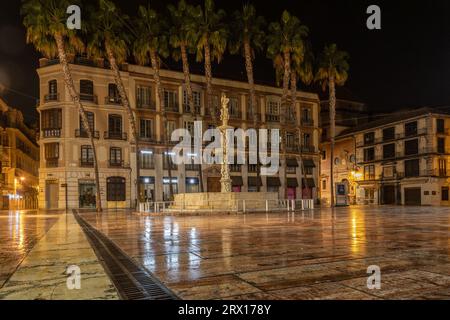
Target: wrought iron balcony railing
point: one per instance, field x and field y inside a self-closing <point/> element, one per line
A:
<point x="51" y="133"/>
<point x="113" y="100"/>
<point x="83" y="134"/>
<point x="51" y="97"/>
<point x="115" y="135"/>
<point x="89" y="98"/>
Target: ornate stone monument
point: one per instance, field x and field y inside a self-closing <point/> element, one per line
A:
<point x="225" y="180"/>
<point x="226" y="200"/>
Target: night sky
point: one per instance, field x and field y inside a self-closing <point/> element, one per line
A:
<point x="404" y="65"/>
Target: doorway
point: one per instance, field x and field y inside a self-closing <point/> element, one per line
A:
<point x="87" y="196"/>
<point x="214" y="184"/>
<point x="388" y="194"/>
<point x="51" y="195"/>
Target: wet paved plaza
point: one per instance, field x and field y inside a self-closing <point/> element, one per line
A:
<point x="320" y="254"/>
<point x="19" y="232"/>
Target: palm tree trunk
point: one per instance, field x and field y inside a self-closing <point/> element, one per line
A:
<point x="155" y="65"/>
<point x="294" y="99"/>
<point x="190" y="95"/>
<point x="68" y="80"/>
<point x="332" y="93"/>
<point x="131" y="118"/>
<point x="286" y="77"/>
<point x="251" y="83"/>
<point x="208" y="75"/>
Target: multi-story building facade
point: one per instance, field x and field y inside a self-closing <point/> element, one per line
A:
<point x="404" y="158"/>
<point x="66" y="173"/>
<point x="345" y="169"/>
<point x="19" y="161"/>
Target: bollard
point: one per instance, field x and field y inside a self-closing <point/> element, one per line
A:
<point x="267" y="205"/>
<point x="243" y="206"/>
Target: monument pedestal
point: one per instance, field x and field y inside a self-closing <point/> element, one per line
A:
<point x="224" y="201"/>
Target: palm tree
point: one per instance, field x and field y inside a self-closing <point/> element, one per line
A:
<point x="285" y="42"/>
<point x="248" y="37"/>
<point x="333" y="70"/>
<point x="47" y="31"/>
<point x="212" y="35"/>
<point x="302" y="69"/>
<point x="107" y="39"/>
<point x="183" y="40"/>
<point x="150" y="46"/>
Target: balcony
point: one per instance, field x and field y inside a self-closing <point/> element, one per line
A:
<point x="113" y="101"/>
<point x="117" y="164"/>
<point x="272" y="117"/>
<point x="84" y="61"/>
<point x="51" y="97"/>
<point x="86" y="163"/>
<point x="236" y="115"/>
<point x="150" y="139"/>
<point x="235" y="167"/>
<point x="52" y="163"/>
<point x="83" y="134"/>
<point x="173" y="107"/>
<point x="308" y="122"/>
<point x="51" y="133"/>
<point x="115" y="135"/>
<point x="192" y="167"/>
<point x="89" y="98"/>
<point x="292" y="148"/>
<point x="308" y="149"/>
<point x="148" y="105"/>
<point x="187" y="109"/>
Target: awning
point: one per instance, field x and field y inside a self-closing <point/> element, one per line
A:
<point x="291" y="162"/>
<point x="273" y="182"/>
<point x="308" y="183"/>
<point x="254" y="181"/>
<point x="309" y="163"/>
<point x="292" y="182"/>
<point x="237" y="181"/>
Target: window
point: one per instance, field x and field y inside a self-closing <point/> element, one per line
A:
<point x="369" y="154"/>
<point x="389" y="134"/>
<point x="147" y="160"/>
<point x="52" y="119"/>
<point x="290" y="139"/>
<point x="170" y="100"/>
<point x="443" y="167"/>
<point x="411" y="129"/>
<point x="324" y="155"/>
<point x="51" y="151"/>
<point x="441" y="145"/>
<point x="369" y="138"/>
<point x="369" y="172"/>
<point x="307" y="140"/>
<point x="115" y="156"/>
<point x="440" y="125"/>
<point x="146" y="128"/>
<point x="324" y="184"/>
<point x="90" y="118"/>
<point x="234" y="107"/>
<point x="86" y="90"/>
<point x="189" y="126"/>
<point x="113" y="93"/>
<point x="170" y="127"/>
<point x="308" y="170"/>
<point x="196" y="97"/>
<point x="306" y="115"/>
<point x="273" y="108"/>
<point x="143" y="96"/>
<point x="87" y="155"/>
<point x="388" y="172"/>
<point x="412" y="168"/>
<point x="115" y="124"/>
<point x="389" y="151"/>
<point x="411" y="147"/>
<point x="115" y="189"/>
<point x="52" y="87"/>
<point x="444" y="193"/>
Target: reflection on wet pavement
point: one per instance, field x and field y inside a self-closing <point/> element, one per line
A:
<point x="322" y="254"/>
<point x="19" y="232"/>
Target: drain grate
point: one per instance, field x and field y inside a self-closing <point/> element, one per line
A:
<point x="131" y="281"/>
